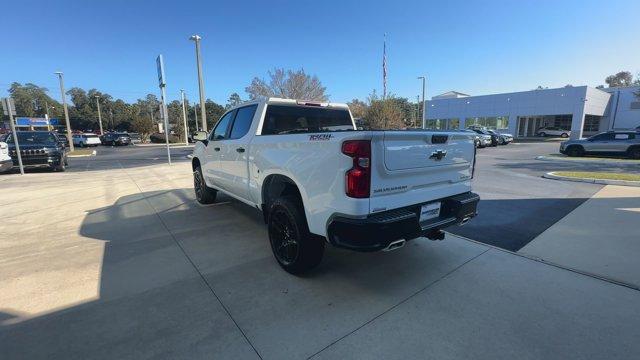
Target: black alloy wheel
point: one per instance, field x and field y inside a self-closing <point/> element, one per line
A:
<point x="284" y="237"/>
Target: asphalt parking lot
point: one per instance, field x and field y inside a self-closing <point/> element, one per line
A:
<point x="128" y="265"/>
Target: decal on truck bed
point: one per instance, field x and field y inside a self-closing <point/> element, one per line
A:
<point x="320" y="137"/>
<point x="388" y="189"/>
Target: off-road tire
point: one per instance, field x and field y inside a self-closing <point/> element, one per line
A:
<point x="61" y="167"/>
<point x="304" y="250"/>
<point x="204" y="194"/>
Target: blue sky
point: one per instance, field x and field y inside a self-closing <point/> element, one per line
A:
<point x="477" y="47"/>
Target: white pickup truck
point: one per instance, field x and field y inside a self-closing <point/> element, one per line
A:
<point x="317" y="179"/>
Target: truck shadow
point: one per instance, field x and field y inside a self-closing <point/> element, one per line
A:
<point x="159" y="247"/>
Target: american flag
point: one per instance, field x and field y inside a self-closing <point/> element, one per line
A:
<point x="384" y="67"/>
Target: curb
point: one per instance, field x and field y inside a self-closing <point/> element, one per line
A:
<point x="588" y="161"/>
<point x="93" y="153"/>
<point x="172" y="146"/>
<point x="553" y="176"/>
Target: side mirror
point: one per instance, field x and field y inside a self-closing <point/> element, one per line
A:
<point x="200" y="136"/>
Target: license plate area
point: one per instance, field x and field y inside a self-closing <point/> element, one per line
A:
<point x="429" y="211"/>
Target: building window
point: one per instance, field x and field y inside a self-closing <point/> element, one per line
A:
<point x="491" y="122"/>
<point x="591" y="123"/>
<point x="443" y="124"/>
<point x="562" y="121"/>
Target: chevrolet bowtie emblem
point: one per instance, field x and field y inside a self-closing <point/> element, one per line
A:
<point x="438" y="155"/>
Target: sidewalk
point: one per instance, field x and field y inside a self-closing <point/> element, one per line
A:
<point x="132" y="267"/>
<point x="601" y="237"/>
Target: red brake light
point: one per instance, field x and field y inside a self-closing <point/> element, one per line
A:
<point x="358" y="178"/>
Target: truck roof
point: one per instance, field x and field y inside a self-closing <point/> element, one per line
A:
<point x="281" y="101"/>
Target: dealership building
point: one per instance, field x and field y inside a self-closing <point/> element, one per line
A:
<point x="581" y="109"/>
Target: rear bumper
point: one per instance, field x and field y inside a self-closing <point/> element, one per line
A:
<point x="378" y="230"/>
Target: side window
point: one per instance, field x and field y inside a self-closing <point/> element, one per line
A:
<point x="623" y="136"/>
<point x="603" y="137"/>
<point x="243" y="120"/>
<point x="220" y="131"/>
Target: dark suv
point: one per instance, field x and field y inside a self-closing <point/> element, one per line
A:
<point x="115" y="139"/>
<point x="38" y="149"/>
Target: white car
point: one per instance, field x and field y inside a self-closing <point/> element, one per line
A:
<point x="553" y="131"/>
<point x="6" y="163"/>
<point x="83" y="140"/>
<point x="318" y="180"/>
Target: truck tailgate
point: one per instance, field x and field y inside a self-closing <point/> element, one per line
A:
<point x="412" y="167"/>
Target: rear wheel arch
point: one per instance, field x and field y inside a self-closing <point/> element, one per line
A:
<point x="275" y="186"/>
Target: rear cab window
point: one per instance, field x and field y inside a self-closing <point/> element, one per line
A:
<point x="291" y="119"/>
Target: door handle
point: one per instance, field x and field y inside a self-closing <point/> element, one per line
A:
<point x="240" y="150"/>
<point x="216" y="149"/>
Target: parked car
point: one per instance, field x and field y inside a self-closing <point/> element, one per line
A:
<point x="38" y="149"/>
<point x="503" y="139"/>
<point x="317" y="180"/>
<point x="479" y="140"/>
<point x="63" y="139"/>
<point x="116" y="139"/>
<point x="87" y="139"/>
<point x="626" y="143"/>
<point x="493" y="139"/>
<point x="135" y="138"/>
<point x="553" y="131"/>
<point x="6" y="163"/>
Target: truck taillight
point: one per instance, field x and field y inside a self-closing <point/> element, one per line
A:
<point x="358" y="178"/>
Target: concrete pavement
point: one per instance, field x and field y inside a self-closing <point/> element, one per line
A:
<point x="600" y="237"/>
<point x="128" y="265"/>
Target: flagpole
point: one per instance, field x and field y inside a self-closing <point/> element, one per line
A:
<point x="384" y="67"/>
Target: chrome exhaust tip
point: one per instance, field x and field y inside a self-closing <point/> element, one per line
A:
<point x="465" y="220"/>
<point x="395" y="245"/>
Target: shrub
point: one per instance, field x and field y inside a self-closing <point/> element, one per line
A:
<point x="159" y="138"/>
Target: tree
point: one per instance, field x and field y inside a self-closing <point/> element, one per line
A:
<point x="384" y="113"/>
<point x="289" y="85"/>
<point x="32" y="100"/>
<point x="234" y="100"/>
<point x="358" y="108"/>
<point x="143" y="125"/>
<point x="623" y="78"/>
<point x="214" y="112"/>
<point x="175" y="118"/>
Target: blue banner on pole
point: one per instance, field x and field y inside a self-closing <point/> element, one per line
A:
<point x="26" y="121"/>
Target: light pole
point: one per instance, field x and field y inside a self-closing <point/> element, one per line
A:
<point x="184" y="118"/>
<point x="99" y="114"/>
<point x="415" y="123"/>
<point x="66" y="112"/>
<point x="424" y="108"/>
<point x="203" y="113"/>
